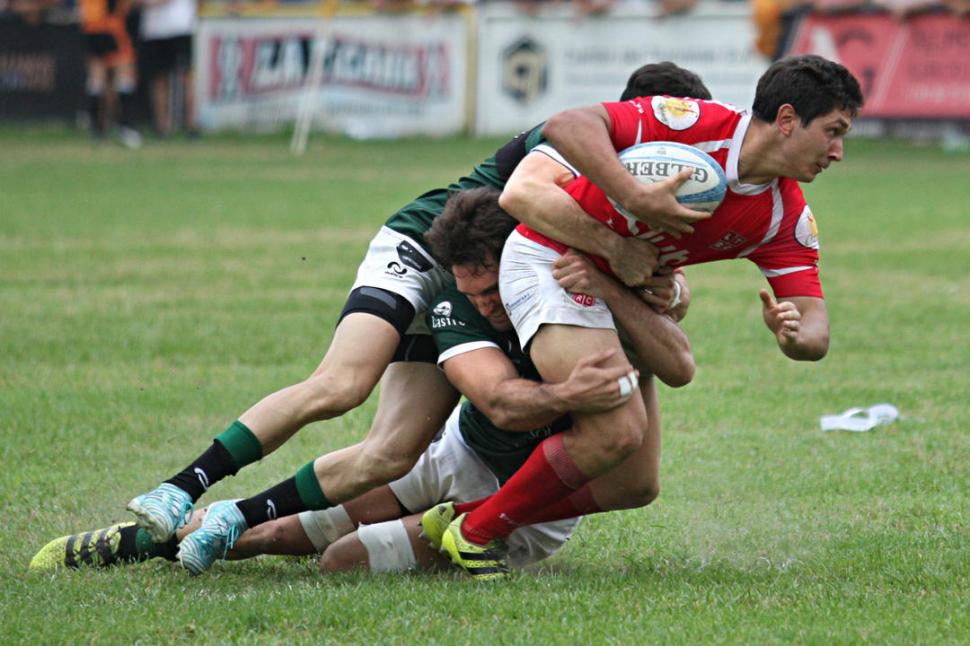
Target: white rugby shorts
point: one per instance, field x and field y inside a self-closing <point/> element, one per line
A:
<point x="449" y="470"/>
<point x="400" y="265"/>
<point x="532" y="297"/>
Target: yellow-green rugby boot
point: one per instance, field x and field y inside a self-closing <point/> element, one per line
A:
<point x="97" y="548"/>
<point x="483" y="562"/>
<point x="435" y="521"/>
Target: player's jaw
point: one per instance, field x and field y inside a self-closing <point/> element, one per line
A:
<point x="819" y="145"/>
<point x="480" y="285"/>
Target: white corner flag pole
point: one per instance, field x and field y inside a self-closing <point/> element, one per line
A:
<point x="312" y="83"/>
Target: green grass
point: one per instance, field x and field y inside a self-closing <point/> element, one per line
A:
<point x="147" y="298"/>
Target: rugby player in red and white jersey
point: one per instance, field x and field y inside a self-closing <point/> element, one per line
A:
<point x="802" y="110"/>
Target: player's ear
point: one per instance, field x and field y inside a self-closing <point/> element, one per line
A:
<point x="786" y="118"/>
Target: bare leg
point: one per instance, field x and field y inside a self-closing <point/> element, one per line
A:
<point x="349" y="552"/>
<point x="635" y="482"/>
<point x="159" y="89"/>
<point x="361" y="350"/>
<point x="415" y="402"/>
<point x="598" y="441"/>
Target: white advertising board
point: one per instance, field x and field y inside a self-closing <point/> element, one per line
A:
<point x="531" y="67"/>
<point x="382" y="76"/>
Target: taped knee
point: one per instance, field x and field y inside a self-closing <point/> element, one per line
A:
<point x="388" y="547"/>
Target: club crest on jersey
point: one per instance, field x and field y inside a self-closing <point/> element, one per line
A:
<point x="443" y="308"/>
<point x="676" y="114"/>
<point x="730" y="240"/>
<point x="806" y="231"/>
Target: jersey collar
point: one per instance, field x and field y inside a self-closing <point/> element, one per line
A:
<point x="734" y="158"/>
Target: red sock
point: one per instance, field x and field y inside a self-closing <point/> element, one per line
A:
<point x="548" y="475"/>
<point x="471" y="505"/>
<point x="578" y="503"/>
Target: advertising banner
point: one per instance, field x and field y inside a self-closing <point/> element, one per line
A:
<point x="41" y="70"/>
<point x="917" y="68"/>
<point x="531" y="67"/>
<point x="381" y="76"/>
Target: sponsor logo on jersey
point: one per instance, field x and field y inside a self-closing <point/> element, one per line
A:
<point x="521" y="300"/>
<point x="676" y="114"/>
<point x="730" y="240"/>
<point x="806" y="231"/>
<point x="439" y="322"/>
<point x="443" y="308"/>
<point x="583" y="299"/>
<point x="413" y="258"/>
<point x="394" y="268"/>
<point x="270" y="509"/>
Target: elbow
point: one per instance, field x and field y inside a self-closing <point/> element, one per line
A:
<point x="681" y="373"/>
<point x="512" y="200"/>
<point x="556" y="124"/>
<point x="503" y="420"/>
<point x="812" y="351"/>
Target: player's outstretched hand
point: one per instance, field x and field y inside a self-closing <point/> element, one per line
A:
<point x="783" y="318"/>
<point x="657" y="206"/>
<point x="595" y="386"/>
<point x="578" y="275"/>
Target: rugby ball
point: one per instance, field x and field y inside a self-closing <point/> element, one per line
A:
<point x="656" y="161"/>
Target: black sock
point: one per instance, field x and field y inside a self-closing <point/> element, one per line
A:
<point x="209" y="468"/>
<point x="136" y="545"/>
<point x="126" y="109"/>
<point x="96" y="113"/>
<point x="276" y="502"/>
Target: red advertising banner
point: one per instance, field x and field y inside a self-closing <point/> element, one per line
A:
<point x="916" y="68"/>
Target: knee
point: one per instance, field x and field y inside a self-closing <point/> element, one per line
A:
<point x="625" y="439"/>
<point x="385" y="463"/>
<point x="333" y="559"/>
<point x="644" y="494"/>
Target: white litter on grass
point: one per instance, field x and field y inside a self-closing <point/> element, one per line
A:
<point x="860" y="420"/>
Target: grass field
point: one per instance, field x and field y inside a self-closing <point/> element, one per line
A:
<point x="147" y="298"/>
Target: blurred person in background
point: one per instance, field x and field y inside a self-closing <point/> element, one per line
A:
<point x="167" y="27"/>
<point x="110" y="57"/>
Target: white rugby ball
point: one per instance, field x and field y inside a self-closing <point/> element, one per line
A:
<point x="655" y="161"/>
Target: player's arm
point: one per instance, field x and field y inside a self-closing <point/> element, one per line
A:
<point x="534" y="195"/>
<point x="800" y="325"/>
<point x="658" y="341"/>
<point x="488" y="378"/>
<point x="582" y="136"/>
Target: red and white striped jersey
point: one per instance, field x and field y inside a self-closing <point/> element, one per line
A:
<point x="769" y="224"/>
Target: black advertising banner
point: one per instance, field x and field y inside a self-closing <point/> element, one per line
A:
<point x="41" y="70"/>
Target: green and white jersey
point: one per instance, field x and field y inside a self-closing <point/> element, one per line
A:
<point x="416" y="217"/>
<point x="457" y="327"/>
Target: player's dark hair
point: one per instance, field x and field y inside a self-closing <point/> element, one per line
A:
<point x="471" y="229"/>
<point x="813" y="85"/>
<point x="665" y="78"/>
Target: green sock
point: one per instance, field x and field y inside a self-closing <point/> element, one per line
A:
<point x="241" y="444"/>
<point x="308" y="488"/>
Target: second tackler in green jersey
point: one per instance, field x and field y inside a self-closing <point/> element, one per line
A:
<point x="455" y="324"/>
<point x="415" y="217"/>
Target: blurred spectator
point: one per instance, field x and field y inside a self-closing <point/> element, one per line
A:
<point x="167" y="27"/>
<point x="30" y="11"/>
<point x="110" y="56"/>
